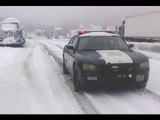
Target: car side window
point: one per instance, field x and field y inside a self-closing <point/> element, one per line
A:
<point x="70" y="42"/>
<point x="74" y="41"/>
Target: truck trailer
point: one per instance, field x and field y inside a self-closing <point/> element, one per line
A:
<point x="143" y="27"/>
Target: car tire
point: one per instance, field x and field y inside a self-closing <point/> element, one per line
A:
<point x="64" y="67"/>
<point x="142" y="86"/>
<point x="77" y="86"/>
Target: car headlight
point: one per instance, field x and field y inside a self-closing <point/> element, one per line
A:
<point x="88" y="67"/>
<point x="144" y="65"/>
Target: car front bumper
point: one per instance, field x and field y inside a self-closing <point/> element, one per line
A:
<point x="127" y="76"/>
<point x="18" y="44"/>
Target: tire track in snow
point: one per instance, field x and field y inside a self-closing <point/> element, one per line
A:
<point x="26" y="66"/>
<point x="56" y="45"/>
<point x="150" y="93"/>
<point x="144" y="92"/>
<point x="127" y="101"/>
<point x="84" y="103"/>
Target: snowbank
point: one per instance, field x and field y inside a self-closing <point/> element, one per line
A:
<point x="154" y="47"/>
<point x="31" y="83"/>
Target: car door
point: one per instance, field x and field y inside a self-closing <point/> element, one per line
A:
<point x="66" y="53"/>
<point x="71" y="55"/>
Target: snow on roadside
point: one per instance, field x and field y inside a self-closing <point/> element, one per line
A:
<point x="56" y="46"/>
<point x="30" y="83"/>
<point x="153" y="55"/>
<point x="61" y="94"/>
<point x="154" y="82"/>
<point x="124" y="103"/>
<point x="154" y="47"/>
<point x="60" y="42"/>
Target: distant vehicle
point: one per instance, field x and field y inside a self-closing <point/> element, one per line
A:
<point x="111" y="29"/>
<point x="143" y="27"/>
<point x="12" y="33"/>
<point x="40" y="32"/>
<point x="101" y="58"/>
<point x="29" y="37"/>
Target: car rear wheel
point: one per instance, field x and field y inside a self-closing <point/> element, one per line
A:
<point x="77" y="86"/>
<point x="64" y="67"/>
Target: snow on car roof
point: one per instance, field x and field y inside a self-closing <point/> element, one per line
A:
<point x="98" y="34"/>
<point x="10" y="20"/>
<point x="8" y="27"/>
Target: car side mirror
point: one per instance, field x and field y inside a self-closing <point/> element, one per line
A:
<point x="130" y="45"/>
<point x="71" y="47"/>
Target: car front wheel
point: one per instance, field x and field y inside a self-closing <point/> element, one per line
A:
<point x="64" y="67"/>
<point x="77" y="86"/>
<point x="142" y="86"/>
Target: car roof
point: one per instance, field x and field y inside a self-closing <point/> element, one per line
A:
<point x="98" y="34"/>
<point x="10" y="20"/>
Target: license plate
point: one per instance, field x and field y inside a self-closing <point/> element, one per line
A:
<point x="121" y="75"/>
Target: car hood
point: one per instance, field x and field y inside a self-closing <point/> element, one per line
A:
<point x="110" y="56"/>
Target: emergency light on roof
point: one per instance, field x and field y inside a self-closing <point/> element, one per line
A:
<point x="80" y="32"/>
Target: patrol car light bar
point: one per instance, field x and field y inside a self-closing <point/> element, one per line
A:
<point x="80" y="32"/>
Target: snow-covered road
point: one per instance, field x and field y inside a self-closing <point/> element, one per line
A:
<point x="122" y="102"/>
<point x="31" y="81"/>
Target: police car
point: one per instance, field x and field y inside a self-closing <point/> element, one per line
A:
<point x="103" y="59"/>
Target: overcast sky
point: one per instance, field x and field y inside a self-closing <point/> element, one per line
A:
<point x="58" y="15"/>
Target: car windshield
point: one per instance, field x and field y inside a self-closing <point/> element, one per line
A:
<point x="101" y="43"/>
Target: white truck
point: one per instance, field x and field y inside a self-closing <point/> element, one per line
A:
<point x="143" y="27"/>
<point x="12" y="33"/>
